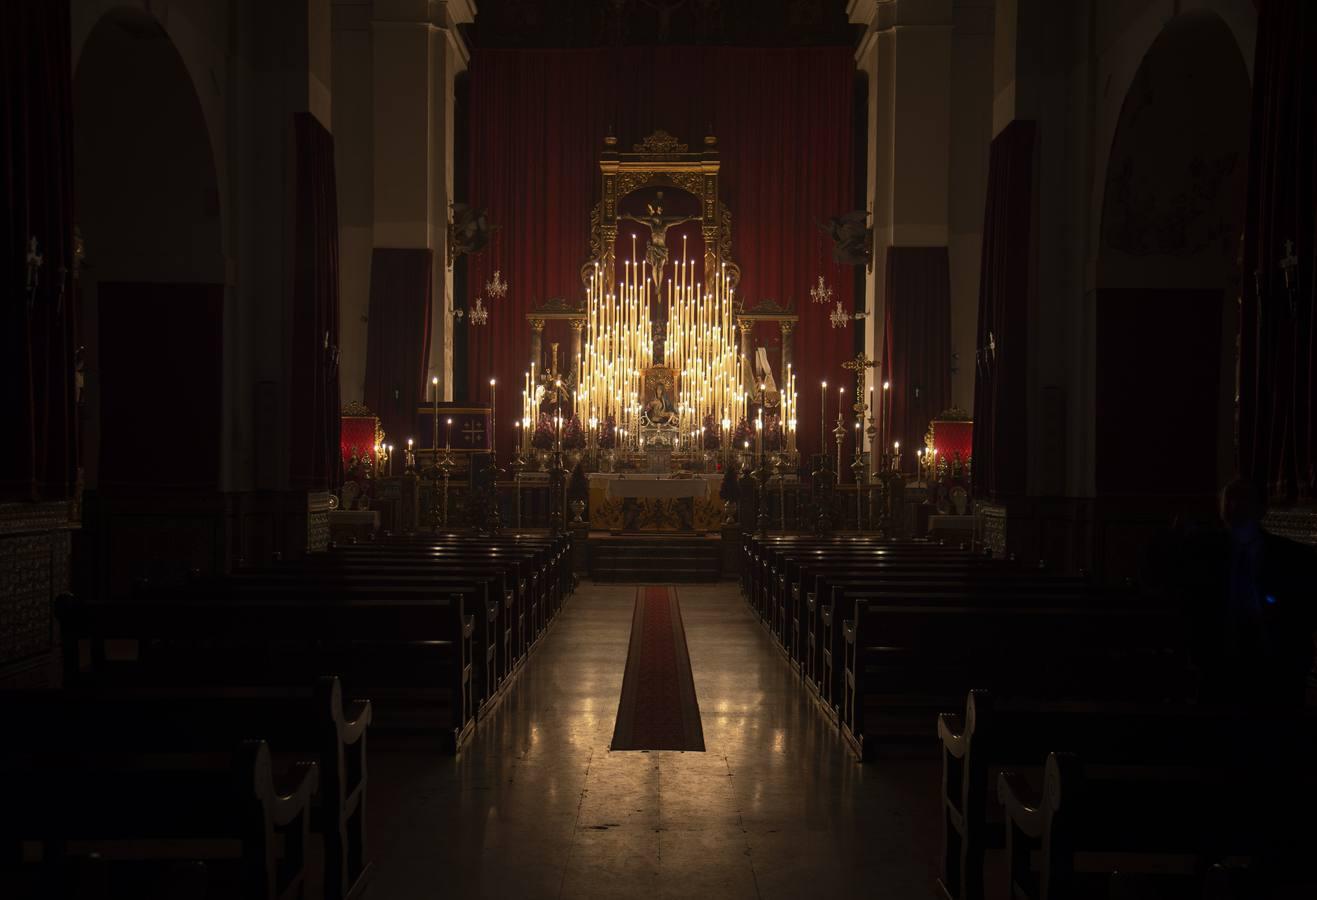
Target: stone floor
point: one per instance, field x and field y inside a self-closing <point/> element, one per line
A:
<point x="537" y="805"/>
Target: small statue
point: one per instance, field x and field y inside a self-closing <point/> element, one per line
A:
<point x="659" y="410"/>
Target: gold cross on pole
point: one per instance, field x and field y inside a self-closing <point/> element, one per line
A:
<point x="858" y="365"/>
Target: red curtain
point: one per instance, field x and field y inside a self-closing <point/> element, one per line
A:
<point x="784" y="123"/>
<point x="313" y="439"/>
<point x="1278" y="332"/>
<point x="38" y="457"/>
<point x="1005" y="282"/>
<point x="917" y="359"/>
<point x="398" y="339"/>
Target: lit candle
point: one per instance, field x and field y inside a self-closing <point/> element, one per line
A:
<point x="823" y="409"/>
<point x="885" y="412"/>
<point x="448" y="435"/>
<point x="493" y="421"/>
<point x="434" y="418"/>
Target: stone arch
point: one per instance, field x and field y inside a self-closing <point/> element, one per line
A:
<point x="1166" y="271"/>
<point x="150" y="210"/>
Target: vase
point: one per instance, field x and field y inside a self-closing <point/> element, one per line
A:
<point x="578" y="507"/>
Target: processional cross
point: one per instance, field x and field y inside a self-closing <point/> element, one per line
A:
<point x="858" y="365"/>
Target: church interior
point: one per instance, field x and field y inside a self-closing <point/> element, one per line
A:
<point x="413" y="487"/>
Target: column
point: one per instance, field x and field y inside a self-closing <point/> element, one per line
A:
<point x="788" y="351"/>
<point x="747" y="351"/>
<point x="578" y="325"/>
<point x="537" y="344"/>
<point x="417" y="54"/>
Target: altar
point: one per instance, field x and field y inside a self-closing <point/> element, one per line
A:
<point x="655" y="503"/>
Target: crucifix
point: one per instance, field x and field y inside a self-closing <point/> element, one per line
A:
<point x="858" y="365"/>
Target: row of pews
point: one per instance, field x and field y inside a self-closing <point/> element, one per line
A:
<point x="1081" y="751"/>
<point x="206" y="731"/>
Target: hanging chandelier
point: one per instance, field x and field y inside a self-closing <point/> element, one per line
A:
<point x="839" y="317"/>
<point x="497" y="288"/>
<point x="821" y="293"/>
<point x="479" y="314"/>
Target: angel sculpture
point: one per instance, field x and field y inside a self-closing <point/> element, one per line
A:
<point x="852" y="238"/>
<point x="469" y="232"/>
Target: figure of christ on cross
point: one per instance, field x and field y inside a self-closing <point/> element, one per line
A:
<point x="656" y="253"/>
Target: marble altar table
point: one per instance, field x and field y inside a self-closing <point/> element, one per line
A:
<point x="643" y="502"/>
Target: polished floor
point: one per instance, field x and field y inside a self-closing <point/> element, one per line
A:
<point x="537" y="805"/>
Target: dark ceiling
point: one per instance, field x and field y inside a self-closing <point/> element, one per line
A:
<point x="635" y="23"/>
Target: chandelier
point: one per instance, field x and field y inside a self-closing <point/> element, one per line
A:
<point x="839" y="317"/>
<point x="479" y="314"/>
<point x="821" y="293"/>
<point x="497" y="288"/>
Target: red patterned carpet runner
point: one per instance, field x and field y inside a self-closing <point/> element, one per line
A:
<point x="658" y="710"/>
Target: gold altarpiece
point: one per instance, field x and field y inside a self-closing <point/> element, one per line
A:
<point x="660" y="161"/>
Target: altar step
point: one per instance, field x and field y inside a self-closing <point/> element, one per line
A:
<point x="655" y="560"/>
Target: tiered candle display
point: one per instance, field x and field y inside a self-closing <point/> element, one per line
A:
<point x="618" y="346"/>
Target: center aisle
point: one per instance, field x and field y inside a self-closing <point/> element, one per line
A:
<point x="537" y="805"/>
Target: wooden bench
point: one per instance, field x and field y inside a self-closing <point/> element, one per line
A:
<point x="408" y="648"/>
<point x="313" y="724"/>
<point x="92" y="794"/>
<point x="1193" y="812"/>
<point x="1012" y="734"/>
<point x="906" y="663"/>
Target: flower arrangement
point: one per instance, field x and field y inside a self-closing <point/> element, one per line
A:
<point x="608" y="433"/>
<point x="712" y="433"/>
<point x="573" y="436"/>
<point x="744" y="432"/>
<point x="542" y="439"/>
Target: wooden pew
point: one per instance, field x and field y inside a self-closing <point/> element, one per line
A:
<point x="1207" y="809"/>
<point x="408" y="648"/>
<point x="91" y="794"/>
<point x="540" y="572"/>
<point x="837" y="597"/>
<point x="993" y="735"/>
<point x="906" y="663"/>
<point x="487" y="602"/>
<point x="313" y="723"/>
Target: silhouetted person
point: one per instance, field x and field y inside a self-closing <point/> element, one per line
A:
<point x="1249" y="598"/>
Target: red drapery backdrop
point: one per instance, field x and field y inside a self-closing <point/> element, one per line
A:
<point x="398" y="340"/>
<point x="917" y="360"/>
<point x="315" y="419"/>
<point x="38" y="457"/>
<point x="784" y="123"/>
<point x="1005" y="282"/>
<point x="1278" y="330"/>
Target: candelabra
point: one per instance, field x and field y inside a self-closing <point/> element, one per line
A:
<point x="822" y="480"/>
<point x="840" y="434"/>
<point x="497" y="288"/>
<point x="517" y="465"/>
<point x="858" y="468"/>
<point x="821" y="293"/>
<point x="761" y="476"/>
<point x="438" y="474"/>
<point x="779" y="465"/>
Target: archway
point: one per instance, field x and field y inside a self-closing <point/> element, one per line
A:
<point x="1167" y="277"/>
<point x="152" y="288"/>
